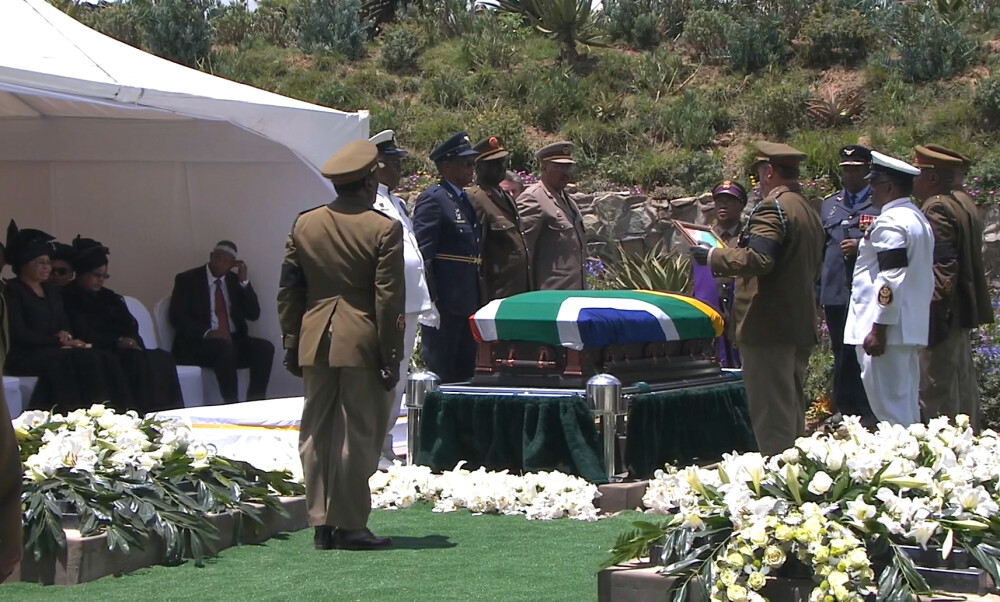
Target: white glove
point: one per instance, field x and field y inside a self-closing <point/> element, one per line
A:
<point x="430" y="318"/>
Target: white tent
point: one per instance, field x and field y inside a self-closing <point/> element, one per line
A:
<point x="155" y="160"/>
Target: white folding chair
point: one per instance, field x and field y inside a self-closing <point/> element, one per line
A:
<point x="210" y="394"/>
<point x="191" y="377"/>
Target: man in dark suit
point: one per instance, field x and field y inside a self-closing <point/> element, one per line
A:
<point x="209" y="309"/>
<point x="450" y="238"/>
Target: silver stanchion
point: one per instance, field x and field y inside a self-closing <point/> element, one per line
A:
<point x="417" y="387"/>
<point x="604" y="395"/>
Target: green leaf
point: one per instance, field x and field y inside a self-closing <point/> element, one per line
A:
<point x="693" y="560"/>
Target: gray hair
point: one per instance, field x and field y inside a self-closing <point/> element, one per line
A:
<point x="513" y="177"/>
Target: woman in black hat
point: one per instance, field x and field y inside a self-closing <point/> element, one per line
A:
<point x="71" y="375"/>
<point x="100" y="317"/>
<point x="62" y="264"/>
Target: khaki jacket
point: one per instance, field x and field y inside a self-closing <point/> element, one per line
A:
<point x="776" y="266"/>
<point x="555" y="236"/>
<point x="342" y="286"/>
<point x="961" y="295"/>
<point x="506" y="267"/>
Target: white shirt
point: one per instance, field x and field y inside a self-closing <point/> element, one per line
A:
<point x="897" y="293"/>
<point x="418" y="298"/>
<point x="225" y="295"/>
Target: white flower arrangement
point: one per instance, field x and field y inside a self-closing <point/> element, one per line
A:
<point x="538" y="496"/>
<point x="836" y="502"/>
<point x="126" y="477"/>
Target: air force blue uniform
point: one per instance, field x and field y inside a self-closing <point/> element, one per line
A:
<point x="450" y="239"/>
<point x="835" y="294"/>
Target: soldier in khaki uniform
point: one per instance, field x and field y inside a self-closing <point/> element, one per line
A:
<point x="729" y="198"/>
<point x="961" y="299"/>
<point x="776" y="266"/>
<point x="552" y="224"/>
<point x="340" y="306"/>
<point x="506" y="268"/>
<point x="10" y="471"/>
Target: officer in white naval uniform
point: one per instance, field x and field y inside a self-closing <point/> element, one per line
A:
<point x="418" y="298"/>
<point x="889" y="315"/>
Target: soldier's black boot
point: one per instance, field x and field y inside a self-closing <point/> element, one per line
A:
<point x="323" y="537"/>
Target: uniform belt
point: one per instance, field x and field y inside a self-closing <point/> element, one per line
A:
<point x="458" y="258"/>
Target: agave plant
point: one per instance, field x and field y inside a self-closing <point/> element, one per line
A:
<point x="567" y="22"/>
<point x="653" y="271"/>
<point x="836" y="110"/>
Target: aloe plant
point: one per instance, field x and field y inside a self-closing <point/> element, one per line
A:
<point x="653" y="271"/>
<point x="567" y="22"/>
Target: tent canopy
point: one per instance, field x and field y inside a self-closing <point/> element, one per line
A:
<point x="155" y="160"/>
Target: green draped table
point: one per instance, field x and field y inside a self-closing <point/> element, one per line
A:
<point x="525" y="433"/>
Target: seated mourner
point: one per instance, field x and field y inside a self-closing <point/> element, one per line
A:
<point x="71" y="374"/>
<point x="100" y="317"/>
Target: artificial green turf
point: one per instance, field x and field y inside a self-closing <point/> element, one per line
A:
<point x="439" y="557"/>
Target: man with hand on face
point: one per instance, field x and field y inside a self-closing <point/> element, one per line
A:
<point x="841" y="215"/>
<point x="552" y="224"/>
<point x="209" y="309"/>
<point x="418" y="299"/>
<point x="341" y="303"/>
<point x="776" y="266"/>
<point x="506" y="266"/>
<point x="891" y="294"/>
<point x="961" y="299"/>
<point x="449" y="234"/>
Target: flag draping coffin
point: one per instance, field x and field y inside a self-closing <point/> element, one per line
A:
<point x="561" y="338"/>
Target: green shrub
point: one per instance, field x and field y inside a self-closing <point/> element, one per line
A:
<point x="706" y="32"/>
<point x="232" y="23"/>
<point x="836" y="37"/>
<point x="444" y="86"/>
<point x="822" y="148"/>
<point x="691" y="121"/>
<point x="614" y="71"/>
<point x="339" y="94"/>
<point x="509" y="126"/>
<point x="983" y="180"/>
<point x="272" y="25"/>
<point x="377" y="84"/>
<point x="775" y="107"/>
<point x="690" y="172"/>
<point x="497" y="44"/>
<point x="555" y="98"/>
<point x="394" y="115"/>
<point x="660" y="73"/>
<point x="402" y="44"/>
<point x="441" y="19"/>
<point x="634" y="22"/>
<point x="331" y="26"/>
<point x="931" y="48"/>
<point x="179" y="30"/>
<point x="122" y="21"/>
<point x="759" y="43"/>
<point x="890" y="100"/>
<point x="987" y="100"/>
<point x="595" y="139"/>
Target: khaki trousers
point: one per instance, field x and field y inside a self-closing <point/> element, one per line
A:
<point x="774" y="376"/>
<point x="10" y="495"/>
<point x="948" y="383"/>
<point x="343" y="424"/>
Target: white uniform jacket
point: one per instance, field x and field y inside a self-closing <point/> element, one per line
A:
<point x="893" y="277"/>
<point x="418" y="298"/>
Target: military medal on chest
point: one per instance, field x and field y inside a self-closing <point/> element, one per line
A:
<point x="458" y="216"/>
<point x="865" y="223"/>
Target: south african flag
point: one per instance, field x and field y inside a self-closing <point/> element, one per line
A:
<point x="578" y="319"/>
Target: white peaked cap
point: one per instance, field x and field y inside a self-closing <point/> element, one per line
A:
<point x="383" y="136"/>
<point x="884" y="163"/>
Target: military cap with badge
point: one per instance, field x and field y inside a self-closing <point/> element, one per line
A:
<point x="557" y="152"/>
<point x="490" y="149"/>
<point x="933" y="156"/>
<point x="855" y="154"/>
<point x="354" y="161"/>
<point x="385" y="143"/>
<point x="731" y="188"/>
<point x="452" y="148"/>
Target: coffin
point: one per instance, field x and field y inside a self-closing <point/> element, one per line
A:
<point x="562" y="338"/>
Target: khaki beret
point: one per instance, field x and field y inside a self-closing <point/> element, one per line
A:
<point x="351" y="163"/>
<point x="490" y="149"/>
<point x="778" y="154"/>
<point x="557" y="152"/>
<point x="935" y="155"/>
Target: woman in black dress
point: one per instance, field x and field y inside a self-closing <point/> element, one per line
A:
<point x="71" y="374"/>
<point x="100" y="317"/>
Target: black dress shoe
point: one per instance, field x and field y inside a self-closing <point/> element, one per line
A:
<point x="323" y="537"/>
<point x="359" y="539"/>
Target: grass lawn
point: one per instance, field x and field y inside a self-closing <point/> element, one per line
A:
<point x="439" y="557"/>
